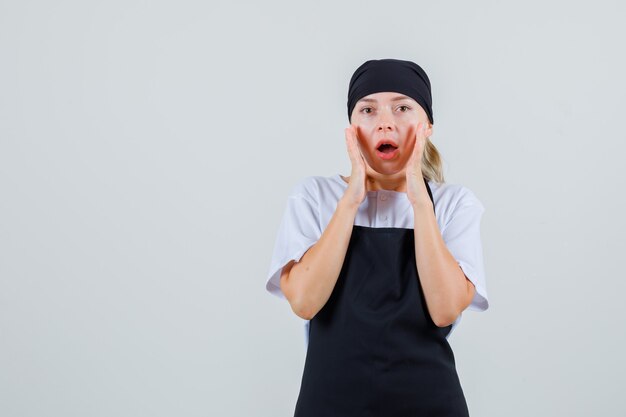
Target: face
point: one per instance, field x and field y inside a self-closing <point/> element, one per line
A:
<point x="387" y="117"/>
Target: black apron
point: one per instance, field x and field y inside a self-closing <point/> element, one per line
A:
<point x="373" y="348"/>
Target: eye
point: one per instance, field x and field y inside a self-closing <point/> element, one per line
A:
<point x="366" y="110"/>
<point x="404" y="109"/>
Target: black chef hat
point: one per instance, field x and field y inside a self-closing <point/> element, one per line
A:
<point x="380" y="75"/>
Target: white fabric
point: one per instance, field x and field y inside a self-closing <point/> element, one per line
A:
<point x="312" y="202"/>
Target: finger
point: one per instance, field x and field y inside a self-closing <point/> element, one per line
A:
<point x="429" y="130"/>
<point x="419" y="143"/>
<point x="355" y="141"/>
<point x="350" y="144"/>
<point x="411" y="160"/>
<point x="416" y="151"/>
<point x="421" y="129"/>
<point x="419" y="137"/>
<point x="424" y="131"/>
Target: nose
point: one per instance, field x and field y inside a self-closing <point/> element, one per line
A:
<point x="385" y="123"/>
<point x="385" y="126"/>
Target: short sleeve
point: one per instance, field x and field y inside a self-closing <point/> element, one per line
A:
<point x="461" y="235"/>
<point x="299" y="229"/>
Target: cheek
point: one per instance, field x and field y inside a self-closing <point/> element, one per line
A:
<point x="359" y="119"/>
<point x="410" y="126"/>
<point x="361" y="134"/>
<point x="409" y="131"/>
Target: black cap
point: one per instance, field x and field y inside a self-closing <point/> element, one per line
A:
<point x="381" y="75"/>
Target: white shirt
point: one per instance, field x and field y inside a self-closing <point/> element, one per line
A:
<point x="312" y="203"/>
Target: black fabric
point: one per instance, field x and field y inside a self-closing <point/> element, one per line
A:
<point x="380" y="75"/>
<point x="374" y="350"/>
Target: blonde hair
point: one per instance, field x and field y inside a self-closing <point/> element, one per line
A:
<point x="432" y="165"/>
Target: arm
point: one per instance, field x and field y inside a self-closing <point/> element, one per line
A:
<point x="446" y="288"/>
<point x="308" y="284"/>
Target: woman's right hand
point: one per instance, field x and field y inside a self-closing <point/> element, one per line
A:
<point x="357" y="189"/>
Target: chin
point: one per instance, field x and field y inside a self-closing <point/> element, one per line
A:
<point x="389" y="171"/>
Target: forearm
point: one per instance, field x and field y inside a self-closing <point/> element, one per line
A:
<point x="443" y="282"/>
<point x="313" y="278"/>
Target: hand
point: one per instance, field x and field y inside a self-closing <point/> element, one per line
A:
<point x="357" y="189"/>
<point x="415" y="187"/>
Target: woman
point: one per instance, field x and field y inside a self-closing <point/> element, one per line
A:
<point x="382" y="264"/>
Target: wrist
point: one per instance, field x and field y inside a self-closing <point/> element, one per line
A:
<point x="422" y="206"/>
<point x="347" y="205"/>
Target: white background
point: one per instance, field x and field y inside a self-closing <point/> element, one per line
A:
<point x="146" y="153"/>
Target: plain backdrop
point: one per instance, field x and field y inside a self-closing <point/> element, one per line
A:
<point x="147" y="149"/>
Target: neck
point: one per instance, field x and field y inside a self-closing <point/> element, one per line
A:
<point x="376" y="181"/>
<point x="396" y="182"/>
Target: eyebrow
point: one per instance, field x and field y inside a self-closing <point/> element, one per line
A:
<point x="371" y="100"/>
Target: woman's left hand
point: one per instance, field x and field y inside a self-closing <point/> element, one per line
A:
<point x="415" y="187"/>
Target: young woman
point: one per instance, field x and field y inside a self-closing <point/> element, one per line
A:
<point x="382" y="263"/>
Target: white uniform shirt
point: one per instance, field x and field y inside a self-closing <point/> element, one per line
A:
<point x="313" y="201"/>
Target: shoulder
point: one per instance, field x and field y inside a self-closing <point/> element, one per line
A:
<point x="314" y="187"/>
<point x="452" y="199"/>
<point x="456" y="195"/>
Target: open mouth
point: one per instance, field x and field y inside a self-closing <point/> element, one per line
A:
<point x="387" y="148"/>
